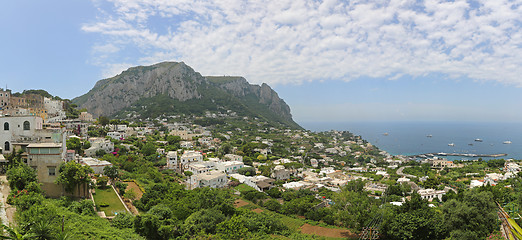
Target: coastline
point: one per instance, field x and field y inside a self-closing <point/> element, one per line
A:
<point x="411" y="138"/>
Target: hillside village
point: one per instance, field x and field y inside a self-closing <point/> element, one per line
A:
<point x="292" y="172"/>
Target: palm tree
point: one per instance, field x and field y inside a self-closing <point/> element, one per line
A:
<point x="14" y="233"/>
<point x="42" y="230"/>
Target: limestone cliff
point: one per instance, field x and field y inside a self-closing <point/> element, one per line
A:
<point x="170" y="86"/>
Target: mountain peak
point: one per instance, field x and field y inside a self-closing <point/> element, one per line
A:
<point x="182" y="90"/>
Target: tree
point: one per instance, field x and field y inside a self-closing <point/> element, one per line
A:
<point x="19" y="177"/>
<point x="226" y="148"/>
<point x="74" y="143"/>
<point x="111" y="172"/>
<point x="123" y="220"/>
<point x="203" y="220"/>
<point x="472" y="218"/>
<point x="234" y="228"/>
<point x="102" y="181"/>
<point x="131" y="194"/>
<point x="121" y="186"/>
<point x="148" y="149"/>
<point x="414" y="220"/>
<point x="261" y="157"/>
<point x="103" y="120"/>
<point x="273" y="205"/>
<point x="173" y="139"/>
<point x="247" y="171"/>
<point x="73" y="175"/>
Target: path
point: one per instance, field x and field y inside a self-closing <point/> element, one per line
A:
<point x="399" y="172"/>
<point x="6" y="211"/>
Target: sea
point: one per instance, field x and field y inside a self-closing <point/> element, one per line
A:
<point x="411" y="138"/>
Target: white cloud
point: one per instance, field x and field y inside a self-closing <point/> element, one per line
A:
<point x="304" y="40"/>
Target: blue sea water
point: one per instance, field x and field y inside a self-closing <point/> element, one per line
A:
<point x="410" y="138"/>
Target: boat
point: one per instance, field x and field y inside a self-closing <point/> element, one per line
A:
<point x="385" y="134"/>
<point x="478" y="140"/>
<point x="451" y="144"/>
<point x="507" y="142"/>
<point x="471" y="144"/>
<point x="429" y="135"/>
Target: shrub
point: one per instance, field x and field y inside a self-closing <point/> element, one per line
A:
<point x="102" y="181"/>
<point x="121" y="186"/>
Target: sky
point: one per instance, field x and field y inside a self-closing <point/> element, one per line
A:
<point x="331" y="60"/>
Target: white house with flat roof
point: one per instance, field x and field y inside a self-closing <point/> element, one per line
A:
<point x="191" y="156"/>
<point x="234" y="157"/>
<point x="212" y="179"/>
<point x="430" y="194"/>
<point x="229" y="166"/>
<point x="116" y="135"/>
<point x="96" y="164"/>
<point x="99" y="144"/>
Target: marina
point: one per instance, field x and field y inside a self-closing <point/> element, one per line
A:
<point x="443" y="154"/>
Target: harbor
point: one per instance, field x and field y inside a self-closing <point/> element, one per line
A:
<point x="443" y="154"/>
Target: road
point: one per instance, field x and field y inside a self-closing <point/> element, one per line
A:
<point x="399" y="171"/>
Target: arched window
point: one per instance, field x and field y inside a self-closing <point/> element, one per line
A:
<point x="6" y="126"/>
<point x="6" y="146"/>
<point x="27" y="125"/>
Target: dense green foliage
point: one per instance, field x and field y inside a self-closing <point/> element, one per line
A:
<point x="72" y="175"/>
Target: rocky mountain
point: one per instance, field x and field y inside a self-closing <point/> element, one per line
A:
<point x="175" y="88"/>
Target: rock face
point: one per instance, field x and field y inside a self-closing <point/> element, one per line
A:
<point x="180" y="82"/>
<point x="239" y="87"/>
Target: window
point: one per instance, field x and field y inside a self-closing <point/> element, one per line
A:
<point x="6" y="126"/>
<point x="52" y="171"/>
<point x="7" y="146"/>
<point x="27" y="125"/>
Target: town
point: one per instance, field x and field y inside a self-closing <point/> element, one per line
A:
<point x="223" y="175"/>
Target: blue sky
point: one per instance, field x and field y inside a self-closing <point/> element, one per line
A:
<point x="397" y="60"/>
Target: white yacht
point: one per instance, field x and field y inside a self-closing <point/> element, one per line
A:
<point x="451" y="144"/>
<point x="507" y="142"/>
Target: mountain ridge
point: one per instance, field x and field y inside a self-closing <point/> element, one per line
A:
<point x="176" y="87"/>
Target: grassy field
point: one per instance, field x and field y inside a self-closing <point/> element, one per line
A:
<point x="243" y="187"/>
<point x="108" y="196"/>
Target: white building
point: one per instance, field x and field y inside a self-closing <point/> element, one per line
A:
<point x="314" y="162"/>
<point x="403" y="180"/>
<point x="297" y="185"/>
<point x="430" y="194"/>
<point x="54" y="108"/>
<point x="280" y="173"/>
<point x="230" y="166"/>
<point x="212" y="179"/>
<point x="186" y="144"/>
<point x="181" y="164"/>
<point x="99" y="144"/>
<point x="96" y="164"/>
<point x="198" y="168"/>
<point x="191" y="156"/>
<point x="259" y="183"/>
<point x="172" y="160"/>
<point x="116" y="135"/>
<point x="234" y="157"/>
<point x="475" y="183"/>
<point x="19" y="129"/>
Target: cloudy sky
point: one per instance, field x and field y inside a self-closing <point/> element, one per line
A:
<point x="331" y="60"/>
